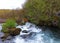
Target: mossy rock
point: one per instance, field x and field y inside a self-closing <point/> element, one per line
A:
<point x="11" y="32"/>
<point x="14" y="31"/>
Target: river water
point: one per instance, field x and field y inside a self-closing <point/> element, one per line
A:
<point x="31" y="34"/>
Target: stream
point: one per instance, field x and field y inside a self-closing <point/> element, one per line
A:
<point x="30" y="34"/>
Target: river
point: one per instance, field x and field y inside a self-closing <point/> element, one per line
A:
<point x="30" y="34"/>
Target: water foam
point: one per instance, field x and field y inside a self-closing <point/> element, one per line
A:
<point x="34" y="35"/>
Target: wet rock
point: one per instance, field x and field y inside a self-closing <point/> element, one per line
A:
<point x="1" y="34"/>
<point x="9" y="37"/>
<point x="30" y="35"/>
<point x="24" y="36"/>
<point x="25" y="31"/>
<point x="14" y="31"/>
<point x="5" y="36"/>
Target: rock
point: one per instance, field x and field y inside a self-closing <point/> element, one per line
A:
<point x="5" y="36"/>
<point x="24" y="36"/>
<point x="25" y="19"/>
<point x="58" y="14"/>
<point x="55" y="23"/>
<point x="25" y="31"/>
<point x="30" y="35"/>
<point x="14" y="31"/>
<point x="9" y="37"/>
<point x="22" y="21"/>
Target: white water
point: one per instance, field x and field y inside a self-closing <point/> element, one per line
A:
<point x="34" y="35"/>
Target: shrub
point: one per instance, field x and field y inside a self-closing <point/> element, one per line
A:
<point x="9" y="24"/>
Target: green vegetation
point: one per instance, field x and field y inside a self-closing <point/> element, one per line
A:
<point x="43" y="11"/>
<point x="8" y="25"/>
<point x="40" y="12"/>
<point x="9" y="29"/>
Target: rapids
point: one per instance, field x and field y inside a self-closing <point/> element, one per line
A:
<point x="31" y="34"/>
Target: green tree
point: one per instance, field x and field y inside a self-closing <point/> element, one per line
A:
<point x="41" y="10"/>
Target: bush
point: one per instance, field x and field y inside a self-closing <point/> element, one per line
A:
<point x="9" y="24"/>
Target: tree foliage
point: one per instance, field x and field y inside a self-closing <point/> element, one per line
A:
<point x="42" y="10"/>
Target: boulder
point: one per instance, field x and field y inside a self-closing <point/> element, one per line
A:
<point x="14" y="31"/>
